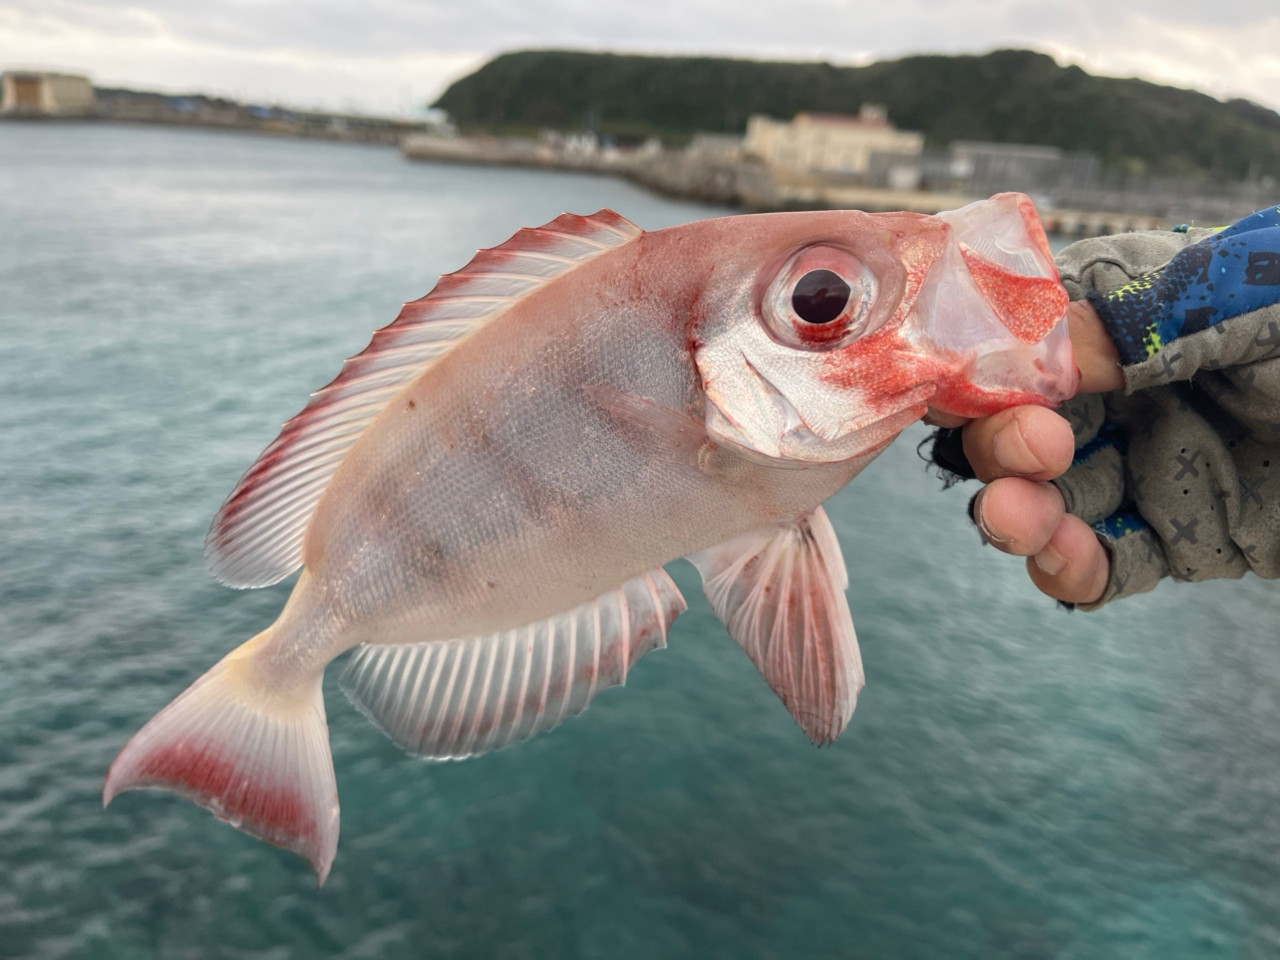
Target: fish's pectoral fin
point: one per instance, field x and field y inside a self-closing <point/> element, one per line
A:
<point x="682" y="439"/>
<point x="458" y="698"/>
<point x="674" y="435"/>
<point x="254" y="756"/>
<point x="780" y="592"/>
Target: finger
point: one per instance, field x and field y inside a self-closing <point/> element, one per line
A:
<point x="1095" y="352"/>
<point x="1073" y="566"/>
<point x="1018" y="516"/>
<point x="1029" y="442"/>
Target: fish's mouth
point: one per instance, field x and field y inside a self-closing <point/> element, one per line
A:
<point x="786" y="436"/>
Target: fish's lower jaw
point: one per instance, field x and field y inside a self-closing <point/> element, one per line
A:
<point x="256" y="759"/>
<point x="1043" y="374"/>
<point x="798" y="446"/>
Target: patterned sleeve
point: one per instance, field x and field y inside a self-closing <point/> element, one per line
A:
<point x="1180" y="471"/>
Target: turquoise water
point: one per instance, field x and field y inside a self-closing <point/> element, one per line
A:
<point x="1016" y="782"/>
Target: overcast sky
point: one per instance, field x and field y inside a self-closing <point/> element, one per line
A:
<point x="388" y="55"/>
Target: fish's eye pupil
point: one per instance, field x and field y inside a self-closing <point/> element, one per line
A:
<point x="820" y="296"/>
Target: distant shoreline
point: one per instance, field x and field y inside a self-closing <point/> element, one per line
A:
<point x="741" y="185"/>
<point x="214" y="127"/>
<point x="111" y="105"/>
<point x="676" y="174"/>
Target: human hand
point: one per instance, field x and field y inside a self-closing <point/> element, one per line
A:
<point x="1017" y="451"/>
<point x="1174" y="472"/>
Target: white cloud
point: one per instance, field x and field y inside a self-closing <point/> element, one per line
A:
<point x="384" y="54"/>
<point x="139" y="48"/>
<point x="1222" y="59"/>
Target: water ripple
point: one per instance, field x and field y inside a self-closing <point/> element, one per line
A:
<point x="1016" y="782"/>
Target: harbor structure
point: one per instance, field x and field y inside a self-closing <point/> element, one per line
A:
<point x="813" y="161"/>
<point x="821" y="144"/>
<point x="38" y="93"/>
<point x="1029" y="168"/>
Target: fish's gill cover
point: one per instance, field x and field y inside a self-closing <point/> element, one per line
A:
<point x="256" y="538"/>
<point x="1020" y="284"/>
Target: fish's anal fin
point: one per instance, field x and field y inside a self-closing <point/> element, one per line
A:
<point x="780" y="592"/>
<point x="253" y="757"/>
<point x="256" y="537"/>
<point x="446" y="700"/>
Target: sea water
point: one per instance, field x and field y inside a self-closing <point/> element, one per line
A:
<point x="1017" y="781"/>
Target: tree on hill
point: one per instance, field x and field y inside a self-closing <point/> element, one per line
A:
<point x="1011" y="96"/>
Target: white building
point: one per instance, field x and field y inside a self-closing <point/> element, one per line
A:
<point x="32" y="93"/>
<point x="831" y="144"/>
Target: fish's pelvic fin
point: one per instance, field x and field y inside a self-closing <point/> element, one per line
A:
<point x="458" y="698"/>
<point x="254" y="757"/>
<point x="780" y="592"/>
<point x="256" y="538"/>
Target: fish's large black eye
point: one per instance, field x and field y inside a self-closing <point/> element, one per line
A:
<point x="820" y="296"/>
<point x="821" y="299"/>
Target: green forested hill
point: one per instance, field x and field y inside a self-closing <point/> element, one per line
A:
<point x="1014" y="96"/>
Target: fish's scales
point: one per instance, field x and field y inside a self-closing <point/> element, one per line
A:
<point x="495" y="491"/>
<point x="256" y="537"/>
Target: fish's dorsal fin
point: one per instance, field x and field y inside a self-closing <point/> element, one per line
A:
<point x="256" y="538"/>
<point x="780" y="592"/>
<point x="450" y="699"/>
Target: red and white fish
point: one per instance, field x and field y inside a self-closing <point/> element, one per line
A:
<point x="481" y="503"/>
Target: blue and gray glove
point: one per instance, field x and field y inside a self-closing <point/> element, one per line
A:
<point x="1179" y="472"/>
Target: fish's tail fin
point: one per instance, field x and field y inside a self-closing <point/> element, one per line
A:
<point x="256" y="757"/>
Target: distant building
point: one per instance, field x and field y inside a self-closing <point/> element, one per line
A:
<point x="993" y="167"/>
<point x="815" y="143"/>
<point x="30" y="93"/>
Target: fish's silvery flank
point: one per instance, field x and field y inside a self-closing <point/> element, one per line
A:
<point x="513" y="459"/>
<point x="256" y="538"/>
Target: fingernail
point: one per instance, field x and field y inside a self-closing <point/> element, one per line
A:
<point x="1012" y="452"/>
<point x="1050" y="560"/>
<point x="979" y="517"/>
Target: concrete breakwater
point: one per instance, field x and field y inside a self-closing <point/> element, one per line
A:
<point x="674" y="173"/>
<point x="686" y="174"/>
<point x="736" y="182"/>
